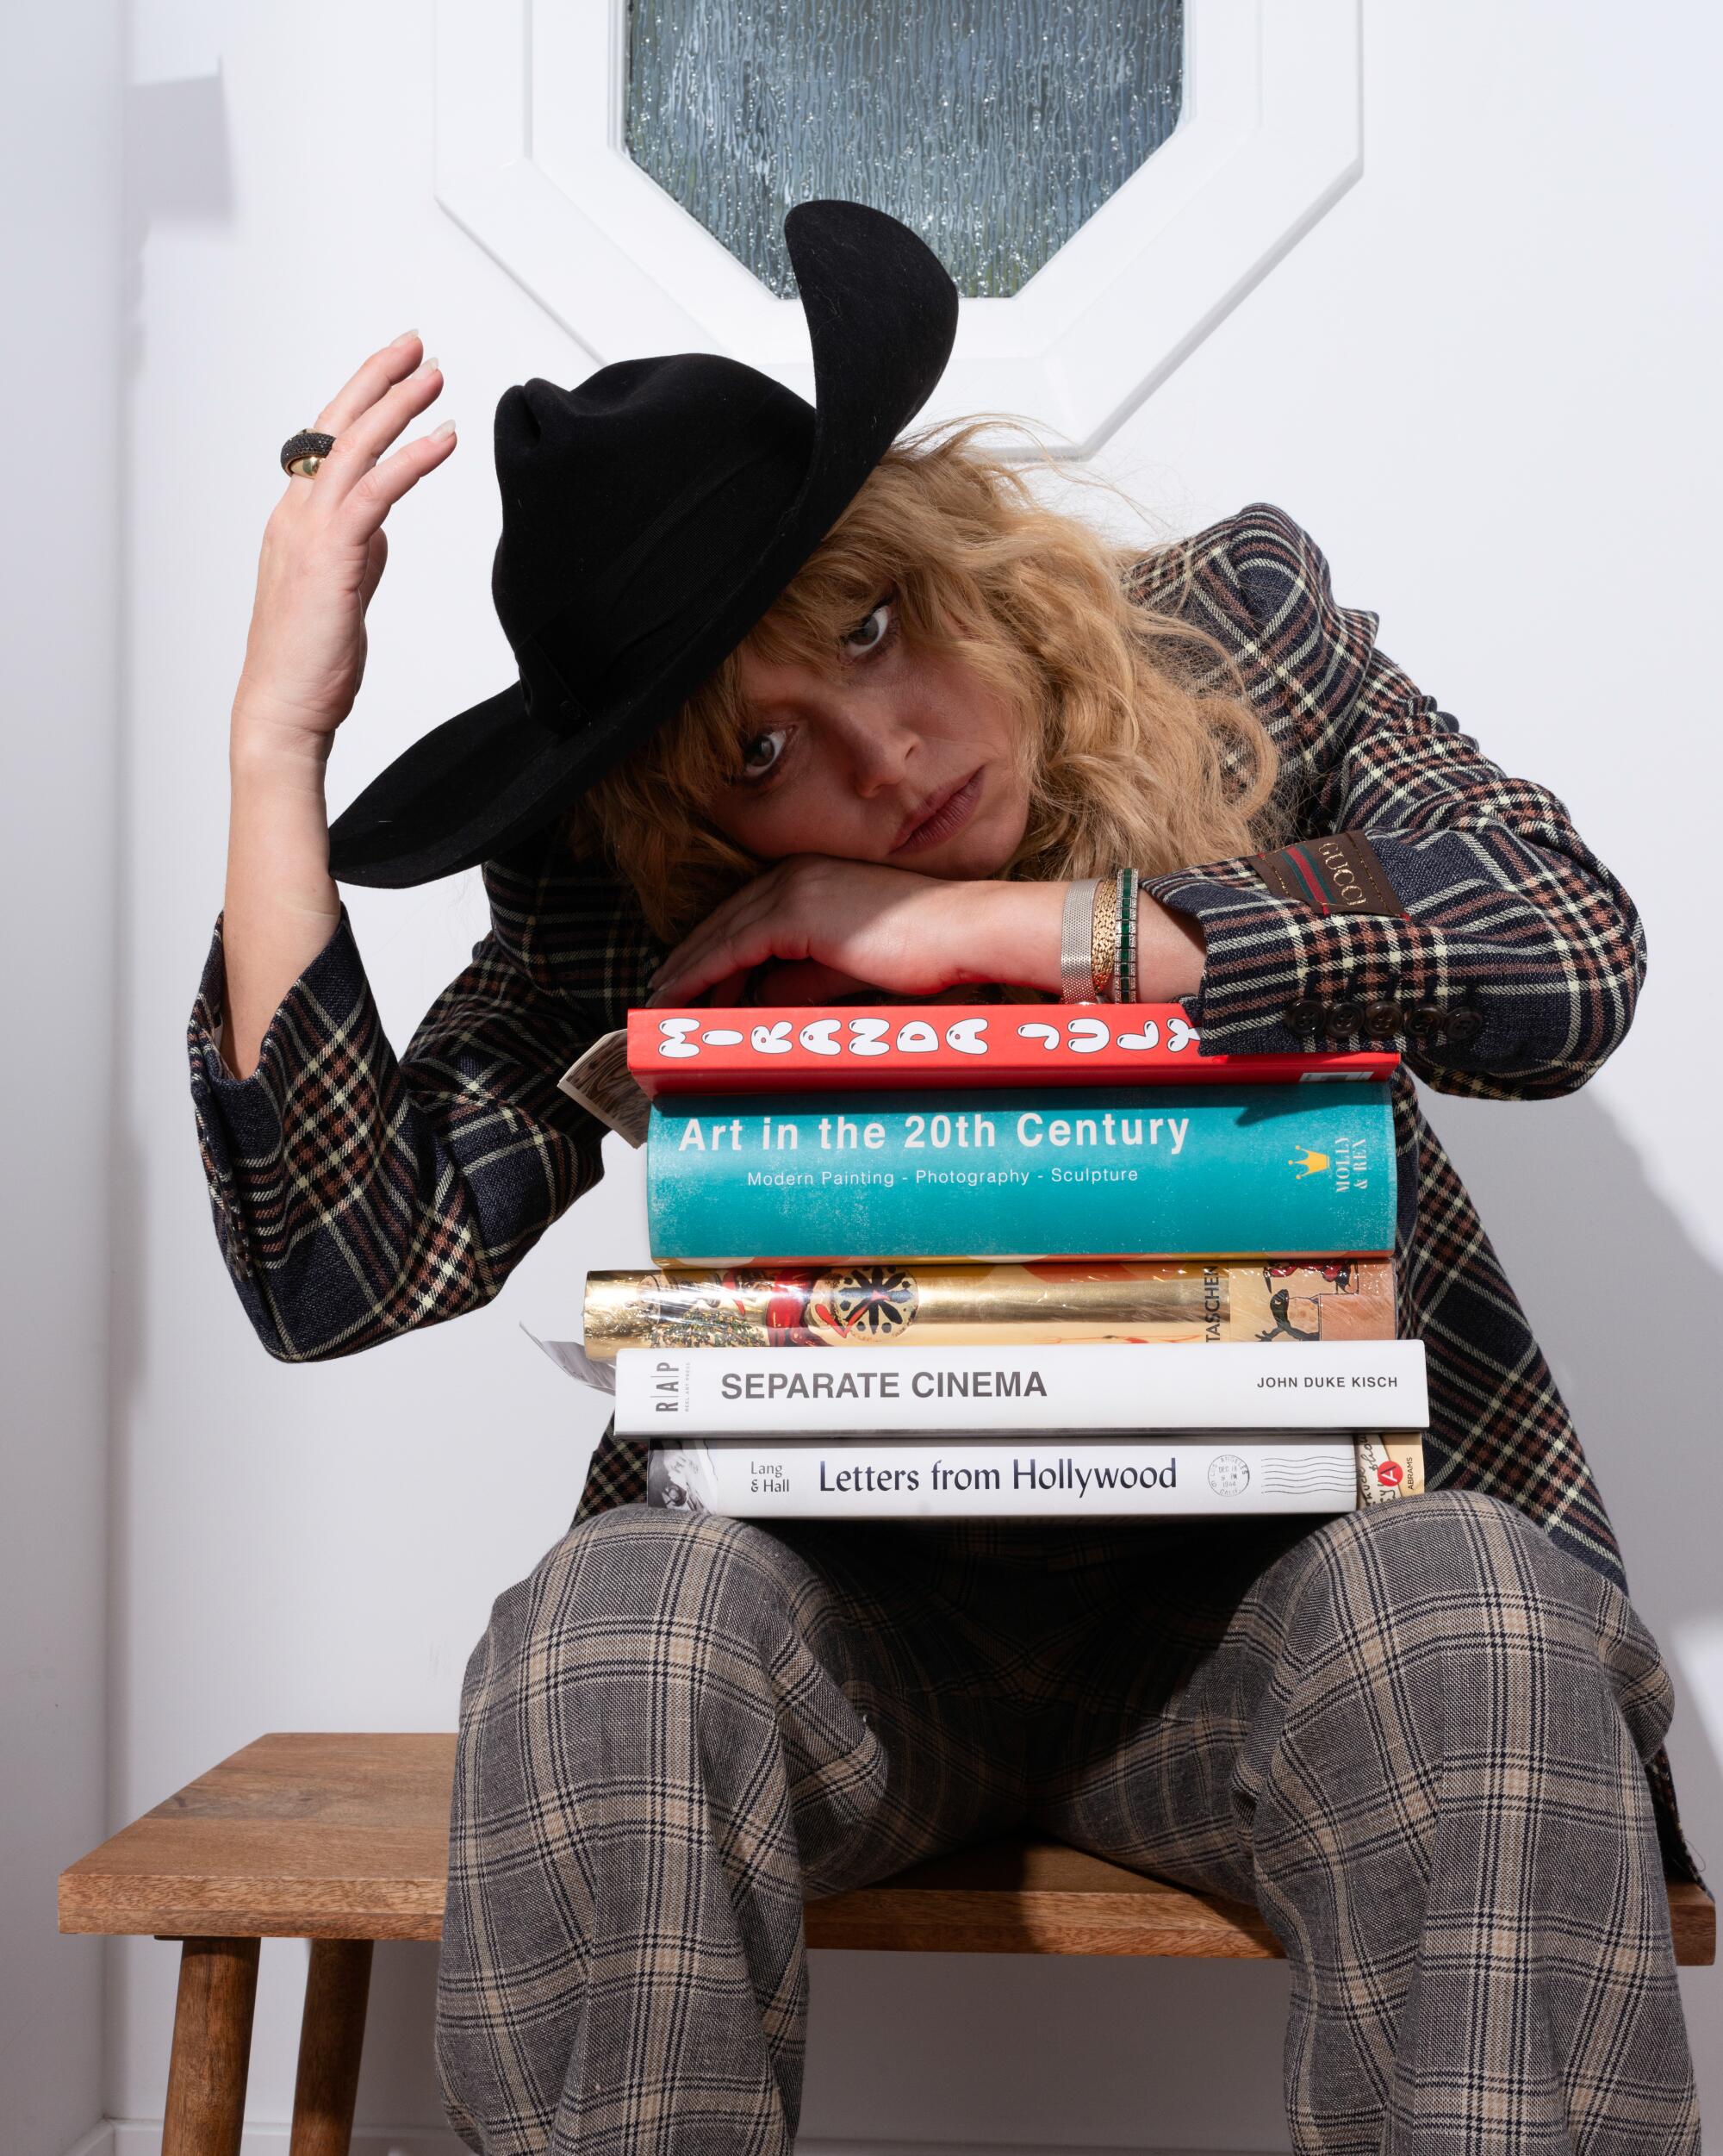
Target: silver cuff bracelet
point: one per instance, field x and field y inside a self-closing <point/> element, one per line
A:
<point x="1076" y="924"/>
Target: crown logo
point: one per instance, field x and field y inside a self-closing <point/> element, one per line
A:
<point x="1307" y="1162"/>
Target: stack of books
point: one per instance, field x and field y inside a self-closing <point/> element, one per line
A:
<point x="927" y="1260"/>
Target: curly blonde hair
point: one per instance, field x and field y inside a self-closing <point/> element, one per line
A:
<point x="1133" y="725"/>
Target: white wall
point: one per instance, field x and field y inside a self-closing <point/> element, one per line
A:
<point x="61" y="251"/>
<point x="1484" y="382"/>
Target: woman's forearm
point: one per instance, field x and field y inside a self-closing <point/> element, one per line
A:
<point x="282" y="905"/>
<point x="816" y="924"/>
<point x="323" y="551"/>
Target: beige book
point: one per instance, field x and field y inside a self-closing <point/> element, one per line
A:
<point x="1389" y="1468"/>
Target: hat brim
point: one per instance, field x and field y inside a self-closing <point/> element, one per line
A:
<point x="882" y="317"/>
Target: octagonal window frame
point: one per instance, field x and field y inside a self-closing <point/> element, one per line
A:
<point x="530" y="162"/>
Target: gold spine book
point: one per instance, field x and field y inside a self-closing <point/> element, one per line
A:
<point x="981" y="1305"/>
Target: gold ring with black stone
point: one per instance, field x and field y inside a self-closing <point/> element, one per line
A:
<point x="301" y="454"/>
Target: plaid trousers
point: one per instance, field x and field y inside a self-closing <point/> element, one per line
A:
<point x="1414" y="1736"/>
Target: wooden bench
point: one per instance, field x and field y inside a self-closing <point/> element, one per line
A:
<point x="342" y="1839"/>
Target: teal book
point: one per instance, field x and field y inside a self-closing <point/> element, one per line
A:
<point x="1302" y="1170"/>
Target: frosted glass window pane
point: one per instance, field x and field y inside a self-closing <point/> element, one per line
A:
<point x="992" y="127"/>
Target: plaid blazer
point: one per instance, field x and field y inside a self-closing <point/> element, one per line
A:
<point x="356" y="1194"/>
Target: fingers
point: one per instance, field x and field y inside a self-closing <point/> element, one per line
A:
<point x="369" y="432"/>
<point x="904" y="933"/>
<point x="377" y="399"/>
<point x="686" y="954"/>
<point x="747" y="945"/>
<point x="730" y="990"/>
<point x="805" y="981"/>
<point x="369" y="382"/>
<point x="750" y="927"/>
<point x="375" y="492"/>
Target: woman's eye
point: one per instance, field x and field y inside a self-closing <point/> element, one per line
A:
<point x="886" y="606"/>
<point x="763" y="753"/>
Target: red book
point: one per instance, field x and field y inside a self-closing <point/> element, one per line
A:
<point x="857" y="1048"/>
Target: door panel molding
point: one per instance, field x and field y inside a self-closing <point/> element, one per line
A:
<point x="530" y="162"/>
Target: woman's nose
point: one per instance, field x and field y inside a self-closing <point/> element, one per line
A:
<point x="879" y="754"/>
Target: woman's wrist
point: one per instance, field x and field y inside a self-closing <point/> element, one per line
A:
<point x="1171" y="952"/>
<point x="278" y="827"/>
<point x="272" y="739"/>
<point x="1016" y="939"/>
<point x="280" y="905"/>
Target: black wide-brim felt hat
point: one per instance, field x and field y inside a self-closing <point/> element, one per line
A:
<point x="650" y="516"/>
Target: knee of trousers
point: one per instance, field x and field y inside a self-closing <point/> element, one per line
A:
<point x="1455" y="1591"/>
<point x="634" y="1598"/>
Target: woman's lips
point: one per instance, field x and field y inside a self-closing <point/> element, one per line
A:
<point x="952" y="814"/>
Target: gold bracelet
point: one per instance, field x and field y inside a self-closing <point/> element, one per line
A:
<point x="1104" y="938"/>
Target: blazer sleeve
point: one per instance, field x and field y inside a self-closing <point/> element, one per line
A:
<point x="1497" y="954"/>
<point x="357" y="1195"/>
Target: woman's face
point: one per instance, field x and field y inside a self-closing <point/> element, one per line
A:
<point x="904" y="758"/>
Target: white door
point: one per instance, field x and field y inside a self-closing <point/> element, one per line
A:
<point x="1437" y="279"/>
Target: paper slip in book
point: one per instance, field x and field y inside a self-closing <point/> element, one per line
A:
<point x="1091" y="1387"/>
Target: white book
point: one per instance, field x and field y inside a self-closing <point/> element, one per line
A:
<point x="1081" y="1386"/>
<point x="980" y="1478"/>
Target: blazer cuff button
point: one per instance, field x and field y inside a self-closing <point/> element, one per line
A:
<point x="1383" y="1018"/>
<point x="1306" y="1016"/>
<point x="1466" y="1025"/>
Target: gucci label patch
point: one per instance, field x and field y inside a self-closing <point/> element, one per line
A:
<point x="1339" y="874"/>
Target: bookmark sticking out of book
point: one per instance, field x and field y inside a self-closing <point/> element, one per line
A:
<point x="603" y="1082"/>
<point x="571" y="1356"/>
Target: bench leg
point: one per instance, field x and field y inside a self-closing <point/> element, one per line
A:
<point x="331" y="2038"/>
<point x="212" y="2048"/>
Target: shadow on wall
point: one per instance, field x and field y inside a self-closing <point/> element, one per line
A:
<point x="178" y="167"/>
<point x="1629" y="1311"/>
<point x="398" y="2079"/>
<point x="179" y="164"/>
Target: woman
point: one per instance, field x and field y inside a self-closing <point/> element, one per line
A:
<point x="1426" y="1739"/>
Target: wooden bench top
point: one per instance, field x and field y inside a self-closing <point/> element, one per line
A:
<point x="345" y="1836"/>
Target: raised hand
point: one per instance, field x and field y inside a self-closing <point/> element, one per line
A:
<point x="324" y="551"/>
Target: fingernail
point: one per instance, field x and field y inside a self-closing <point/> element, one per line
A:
<point x="403" y="337"/>
<point x="425" y="367"/>
<point x="437" y="433"/>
